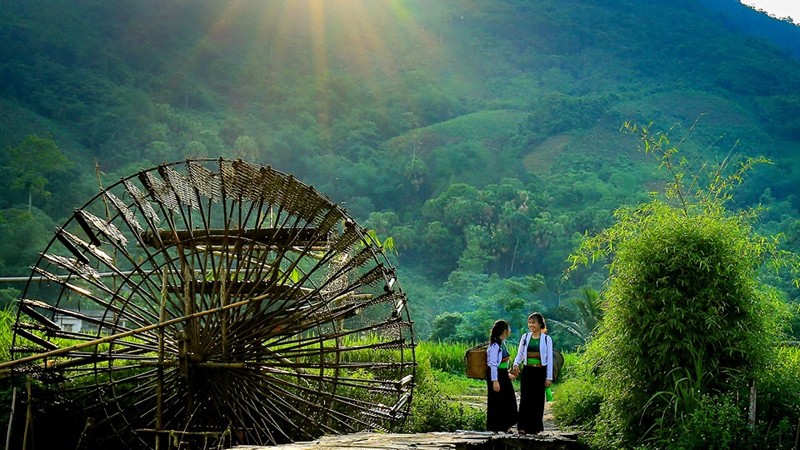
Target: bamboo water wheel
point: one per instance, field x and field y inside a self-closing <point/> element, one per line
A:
<point x="216" y="299"/>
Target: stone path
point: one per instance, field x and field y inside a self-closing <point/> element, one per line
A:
<point x="551" y="439"/>
<point x="462" y="440"/>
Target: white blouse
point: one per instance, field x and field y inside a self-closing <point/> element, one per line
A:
<point x="545" y="351"/>
<point x="494" y="356"/>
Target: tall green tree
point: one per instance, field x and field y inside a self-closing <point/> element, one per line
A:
<point x="588" y="316"/>
<point x="24" y="235"/>
<point x="32" y="162"/>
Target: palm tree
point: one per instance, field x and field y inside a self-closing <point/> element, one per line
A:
<point x="590" y="314"/>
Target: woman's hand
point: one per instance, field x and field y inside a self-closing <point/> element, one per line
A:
<point x="511" y="376"/>
<point x="548" y="383"/>
<point x="496" y="386"/>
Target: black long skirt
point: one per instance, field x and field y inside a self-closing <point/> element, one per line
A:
<point x="531" y="399"/>
<point x="501" y="407"/>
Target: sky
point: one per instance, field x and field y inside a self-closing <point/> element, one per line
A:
<point x="778" y="8"/>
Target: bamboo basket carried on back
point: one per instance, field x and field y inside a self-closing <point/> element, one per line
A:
<point x="475" y="361"/>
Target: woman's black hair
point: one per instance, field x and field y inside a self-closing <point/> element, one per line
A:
<point x="498" y="329"/>
<point x="539" y="318"/>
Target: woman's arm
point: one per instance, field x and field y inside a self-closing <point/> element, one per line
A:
<point x="493" y="357"/>
<point x="549" y="352"/>
<point x="521" y="352"/>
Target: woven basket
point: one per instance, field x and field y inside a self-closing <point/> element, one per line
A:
<point x="475" y="362"/>
<point x="558" y="363"/>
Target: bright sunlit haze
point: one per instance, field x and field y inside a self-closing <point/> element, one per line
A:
<point x="777" y="8"/>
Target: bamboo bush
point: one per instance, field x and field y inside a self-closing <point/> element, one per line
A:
<point x="688" y="328"/>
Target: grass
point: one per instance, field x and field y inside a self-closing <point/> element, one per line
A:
<point x="7" y="318"/>
<point x="444" y="356"/>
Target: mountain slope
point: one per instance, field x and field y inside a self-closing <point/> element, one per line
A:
<point x="510" y="109"/>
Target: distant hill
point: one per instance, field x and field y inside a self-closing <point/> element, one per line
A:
<point x="751" y="22"/>
<point x="395" y="107"/>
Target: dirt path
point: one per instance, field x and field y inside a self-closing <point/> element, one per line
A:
<point x="549" y="422"/>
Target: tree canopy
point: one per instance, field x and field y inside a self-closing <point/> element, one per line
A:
<point x="488" y="132"/>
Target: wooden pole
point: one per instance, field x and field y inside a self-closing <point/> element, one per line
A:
<point x="25" y="279"/>
<point x="162" y="314"/>
<point x="28" y="416"/>
<point x="11" y="417"/>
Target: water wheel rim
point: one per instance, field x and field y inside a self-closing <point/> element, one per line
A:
<point x="222" y="245"/>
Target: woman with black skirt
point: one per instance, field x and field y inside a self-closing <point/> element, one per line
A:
<point x="501" y="411"/>
<point x="536" y="354"/>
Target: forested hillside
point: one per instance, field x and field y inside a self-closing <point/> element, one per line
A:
<point x="484" y="137"/>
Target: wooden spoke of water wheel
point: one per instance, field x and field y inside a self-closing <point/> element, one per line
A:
<point x="217" y="299"/>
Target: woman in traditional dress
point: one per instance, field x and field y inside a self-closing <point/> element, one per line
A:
<point x="536" y="355"/>
<point x="501" y="411"/>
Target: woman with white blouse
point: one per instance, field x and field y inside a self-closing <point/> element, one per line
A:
<point x="535" y="353"/>
<point x="501" y="411"/>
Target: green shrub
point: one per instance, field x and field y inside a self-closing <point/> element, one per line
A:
<point x="685" y="317"/>
<point x="570" y="362"/>
<point x="432" y="409"/>
<point x="459" y="385"/>
<point x="716" y="423"/>
<point x="779" y="397"/>
<point x="688" y="325"/>
<point x="577" y="402"/>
